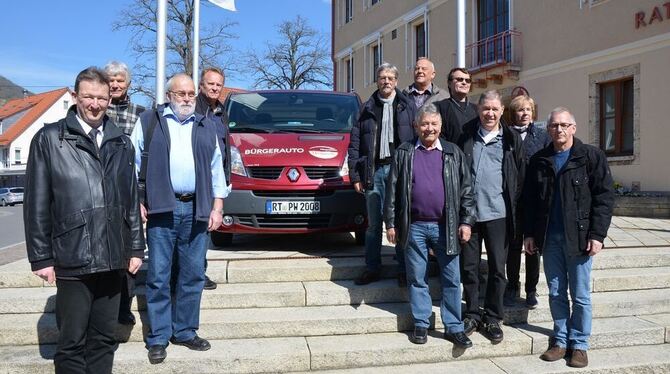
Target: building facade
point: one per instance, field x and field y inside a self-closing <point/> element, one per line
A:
<point x="608" y="61"/>
<point x="20" y="119"/>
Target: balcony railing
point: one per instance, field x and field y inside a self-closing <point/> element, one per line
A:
<point x="504" y="48"/>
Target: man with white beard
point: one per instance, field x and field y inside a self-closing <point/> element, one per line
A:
<point x="182" y="186"/>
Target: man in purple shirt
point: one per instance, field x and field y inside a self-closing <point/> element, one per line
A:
<point x="429" y="204"/>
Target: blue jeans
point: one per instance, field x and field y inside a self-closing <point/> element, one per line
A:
<point x="374" y="200"/>
<point x="571" y="330"/>
<point x="175" y="312"/>
<point x="424" y="235"/>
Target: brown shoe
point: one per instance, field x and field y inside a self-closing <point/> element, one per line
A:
<point x="579" y="359"/>
<point x="553" y="354"/>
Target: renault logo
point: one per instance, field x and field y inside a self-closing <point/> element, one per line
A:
<point x="293" y="174"/>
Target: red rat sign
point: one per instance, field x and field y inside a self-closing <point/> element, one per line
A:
<point x="657" y="15"/>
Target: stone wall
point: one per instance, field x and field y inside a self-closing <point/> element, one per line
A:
<point x="642" y="206"/>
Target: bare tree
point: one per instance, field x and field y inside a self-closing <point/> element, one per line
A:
<point x="140" y="19"/>
<point x="300" y="59"/>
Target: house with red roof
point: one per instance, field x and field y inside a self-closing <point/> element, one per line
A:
<point x="20" y="119"/>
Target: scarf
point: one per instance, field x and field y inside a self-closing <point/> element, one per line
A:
<point x="522" y="130"/>
<point x="387" y="126"/>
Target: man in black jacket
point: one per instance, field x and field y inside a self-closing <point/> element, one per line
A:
<point x="456" y="110"/>
<point x="570" y="187"/>
<point x="495" y="156"/>
<point x="208" y="104"/>
<point x="429" y="204"/>
<point x="82" y="223"/>
<point x="385" y="122"/>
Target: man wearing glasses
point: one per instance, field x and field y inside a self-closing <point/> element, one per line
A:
<point x="570" y="187"/>
<point x="182" y="186"/>
<point x="385" y="122"/>
<point x="457" y="110"/>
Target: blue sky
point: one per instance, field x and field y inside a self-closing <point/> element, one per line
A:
<point x="47" y="42"/>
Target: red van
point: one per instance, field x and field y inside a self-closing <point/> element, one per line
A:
<point x="289" y="165"/>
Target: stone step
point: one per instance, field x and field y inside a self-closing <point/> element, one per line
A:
<point x="310" y="268"/>
<point x="341" y="292"/>
<point x="637" y="359"/>
<point x="356" y="351"/>
<point x="328" y="320"/>
<point x="226" y="356"/>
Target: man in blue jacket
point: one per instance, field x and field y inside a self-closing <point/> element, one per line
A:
<point x="384" y="123"/>
<point x="184" y="186"/>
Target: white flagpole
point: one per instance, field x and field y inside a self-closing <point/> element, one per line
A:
<point x="196" y="42"/>
<point x="161" y="19"/>
<point x="460" y="33"/>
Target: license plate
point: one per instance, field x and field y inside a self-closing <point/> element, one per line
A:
<point x="292" y="207"/>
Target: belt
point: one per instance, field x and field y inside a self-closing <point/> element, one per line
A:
<point x="184" y="197"/>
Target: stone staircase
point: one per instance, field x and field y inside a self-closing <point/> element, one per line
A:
<point x="302" y="312"/>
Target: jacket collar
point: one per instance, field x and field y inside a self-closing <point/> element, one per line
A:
<point x="202" y="105"/>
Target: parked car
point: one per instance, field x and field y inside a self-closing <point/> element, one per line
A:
<point x="289" y="164"/>
<point x="11" y="196"/>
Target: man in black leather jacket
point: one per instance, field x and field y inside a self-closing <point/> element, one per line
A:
<point x="82" y="223"/>
<point x="429" y="204"/>
<point x="570" y="187"/>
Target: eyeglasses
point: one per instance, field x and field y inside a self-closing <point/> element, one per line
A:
<point x="562" y="126"/>
<point x="389" y="78"/>
<point x="182" y="94"/>
<point x="461" y="80"/>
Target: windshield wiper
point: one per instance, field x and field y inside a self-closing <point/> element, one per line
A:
<point x="303" y="130"/>
<point x="252" y="129"/>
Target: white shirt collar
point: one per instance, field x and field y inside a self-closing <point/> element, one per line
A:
<point x="487" y="136"/>
<point x="437" y="145"/>
<point x="87" y="129"/>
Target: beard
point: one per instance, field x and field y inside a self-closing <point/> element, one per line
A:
<point x="183" y="111"/>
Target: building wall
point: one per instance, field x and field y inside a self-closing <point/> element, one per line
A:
<point x="566" y="51"/>
<point x="22" y="142"/>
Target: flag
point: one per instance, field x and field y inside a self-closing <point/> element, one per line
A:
<point x="225" y="4"/>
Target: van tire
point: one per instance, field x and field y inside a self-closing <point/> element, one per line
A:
<point x="360" y="237"/>
<point x="221" y="239"/>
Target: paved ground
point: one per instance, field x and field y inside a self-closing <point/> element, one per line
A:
<point x="11" y="225"/>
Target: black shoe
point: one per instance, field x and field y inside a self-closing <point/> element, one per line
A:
<point x="470" y="325"/>
<point x="402" y="279"/>
<point x="531" y="300"/>
<point x="209" y="284"/>
<point x="157" y="354"/>
<point x="196" y="344"/>
<point x="367" y="277"/>
<point x="419" y="336"/>
<point x="126" y="318"/>
<point x="459" y="339"/>
<point x="492" y="332"/>
<point x="509" y="297"/>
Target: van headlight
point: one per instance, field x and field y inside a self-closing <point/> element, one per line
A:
<point x="344" y="170"/>
<point x="236" y="163"/>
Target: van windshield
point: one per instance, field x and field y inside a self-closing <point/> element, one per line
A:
<point x="291" y="112"/>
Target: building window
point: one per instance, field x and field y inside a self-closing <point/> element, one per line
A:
<point x="419" y="41"/>
<point x="616" y="117"/>
<point x="493" y="19"/>
<point x="373" y="2"/>
<point x="66" y="104"/>
<point x="394" y="34"/>
<point x="376" y="57"/>
<point x="348" y="10"/>
<point x="17" y="156"/>
<point x="614" y="114"/>
<point x="350" y="74"/>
